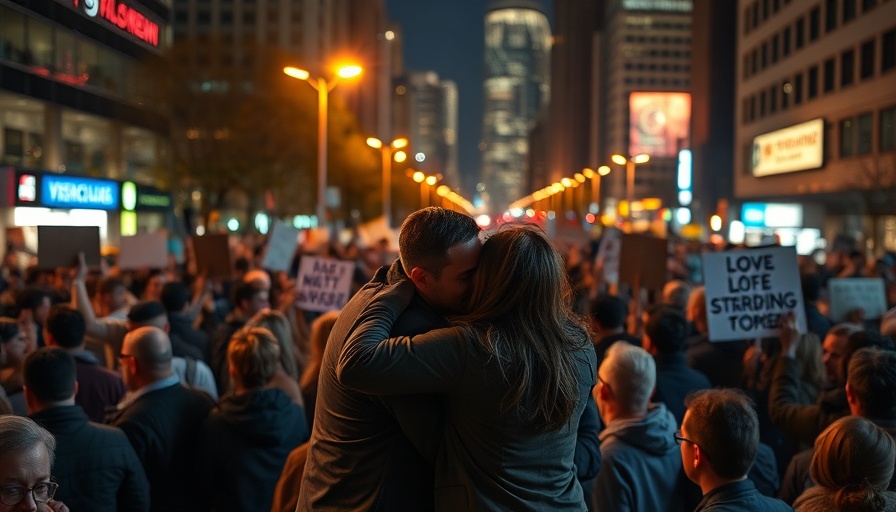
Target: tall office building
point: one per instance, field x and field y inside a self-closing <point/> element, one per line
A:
<point x="645" y="101"/>
<point x="517" y="87"/>
<point x="816" y="116"/>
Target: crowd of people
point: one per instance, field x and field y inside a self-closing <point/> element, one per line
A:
<point x="471" y="371"/>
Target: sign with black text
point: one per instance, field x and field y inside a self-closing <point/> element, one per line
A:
<point x="748" y="291"/>
<point x="850" y="294"/>
<point x="323" y="284"/>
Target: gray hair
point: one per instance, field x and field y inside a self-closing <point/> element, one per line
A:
<point x="19" y="434"/>
<point x="631" y="373"/>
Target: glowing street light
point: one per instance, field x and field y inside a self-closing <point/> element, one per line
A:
<point x="386" y="151"/>
<point x="629" y="164"/>
<point x="323" y="88"/>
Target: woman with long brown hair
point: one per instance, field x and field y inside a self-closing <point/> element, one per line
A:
<point x="852" y="467"/>
<point x="515" y="373"/>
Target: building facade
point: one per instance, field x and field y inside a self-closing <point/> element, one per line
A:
<point x="517" y="87"/>
<point x="816" y="113"/>
<point x="74" y="98"/>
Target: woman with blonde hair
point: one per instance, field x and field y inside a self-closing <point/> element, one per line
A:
<point x="515" y="374"/>
<point x="248" y="437"/>
<point x="852" y="467"/>
<point x="287" y="375"/>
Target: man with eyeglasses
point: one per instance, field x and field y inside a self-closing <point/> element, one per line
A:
<point x="95" y="465"/>
<point x="719" y="438"/>
<point x="26" y="454"/>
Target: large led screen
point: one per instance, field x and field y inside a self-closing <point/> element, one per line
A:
<point x="659" y="123"/>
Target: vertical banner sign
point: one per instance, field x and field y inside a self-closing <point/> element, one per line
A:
<point x="282" y="244"/>
<point x="850" y="294"/>
<point x="748" y="291"/>
<point x="608" y="254"/>
<point x="324" y="284"/>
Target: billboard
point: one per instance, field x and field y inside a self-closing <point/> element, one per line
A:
<point x="796" y="148"/>
<point x="659" y="123"/>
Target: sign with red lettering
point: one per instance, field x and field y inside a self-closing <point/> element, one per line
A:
<point x="748" y="291"/>
<point x="795" y="148"/>
<point x="123" y="17"/>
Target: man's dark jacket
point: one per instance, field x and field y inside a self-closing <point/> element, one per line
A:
<point x="360" y="456"/>
<point x="739" y="497"/>
<point x="674" y="380"/>
<point x="164" y="427"/>
<point x="96" y="467"/>
<point x="98" y="388"/>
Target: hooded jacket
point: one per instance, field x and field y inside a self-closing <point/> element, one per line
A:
<point x="641" y="468"/>
<point x="245" y="445"/>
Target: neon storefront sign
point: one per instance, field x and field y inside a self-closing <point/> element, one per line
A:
<point x="123" y="16"/>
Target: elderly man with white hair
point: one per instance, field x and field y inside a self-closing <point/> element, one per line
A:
<point x="641" y="468"/>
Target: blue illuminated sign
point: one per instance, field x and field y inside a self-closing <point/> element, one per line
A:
<point x="753" y="215"/>
<point x="72" y="192"/>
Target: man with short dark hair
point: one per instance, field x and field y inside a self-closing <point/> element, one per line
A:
<point x="608" y="316"/>
<point x="719" y="439"/>
<point x="176" y="299"/>
<point x="664" y="338"/>
<point x="99" y="389"/>
<point x="96" y="467"/>
<point x="365" y="451"/>
<point x="162" y="419"/>
<point x="248" y="298"/>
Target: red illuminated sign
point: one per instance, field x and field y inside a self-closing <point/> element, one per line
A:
<point x="124" y="17"/>
<point x="27" y="188"/>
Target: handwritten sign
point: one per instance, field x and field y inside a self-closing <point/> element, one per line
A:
<point x="642" y="261"/>
<point x="748" y="291"/>
<point x="281" y="247"/>
<point x="859" y="292"/>
<point x="608" y="254"/>
<point x="145" y="250"/>
<point x="324" y="284"/>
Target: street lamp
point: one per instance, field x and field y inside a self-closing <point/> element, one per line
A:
<point x="386" y="151"/>
<point x="629" y="164"/>
<point x="323" y="88"/>
<point x="595" y="177"/>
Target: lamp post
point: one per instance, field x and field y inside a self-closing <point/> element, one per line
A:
<point x="629" y="164"/>
<point x="323" y="88"/>
<point x="386" y="151"/>
<point x="595" y="177"/>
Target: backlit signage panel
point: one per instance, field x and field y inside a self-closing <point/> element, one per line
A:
<point x="76" y="192"/>
<point x="796" y="148"/>
<point x="122" y="17"/>
<point x="659" y="123"/>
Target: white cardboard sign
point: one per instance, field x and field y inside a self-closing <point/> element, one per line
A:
<point x="858" y="292"/>
<point x="323" y="284"/>
<point x="144" y="250"/>
<point x="281" y="246"/>
<point x="748" y="291"/>
<point x="608" y="253"/>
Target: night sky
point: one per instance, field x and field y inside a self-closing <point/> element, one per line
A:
<point x="447" y="37"/>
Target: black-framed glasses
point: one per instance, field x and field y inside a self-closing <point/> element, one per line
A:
<point x="681" y="439"/>
<point x="14" y="494"/>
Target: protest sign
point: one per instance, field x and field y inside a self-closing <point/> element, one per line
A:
<point x="58" y="246"/>
<point x="642" y="261"/>
<point x="212" y="254"/>
<point x="324" y="284"/>
<point x="854" y="293"/>
<point x="281" y="246"/>
<point x="608" y="254"/>
<point x="748" y="291"/>
<point x="145" y="250"/>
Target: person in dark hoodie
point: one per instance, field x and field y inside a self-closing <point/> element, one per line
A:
<point x="248" y="437"/>
<point x="641" y="468"/>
